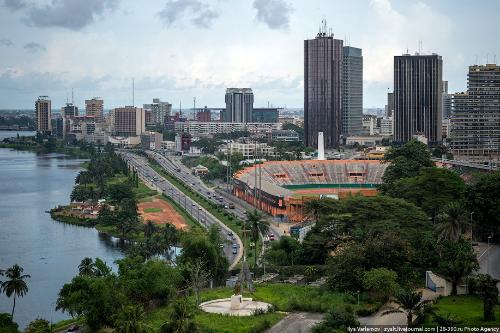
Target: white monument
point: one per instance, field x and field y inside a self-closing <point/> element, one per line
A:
<point x="321" y="147"/>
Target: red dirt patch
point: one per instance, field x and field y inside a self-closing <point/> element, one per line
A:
<point x="167" y="215"/>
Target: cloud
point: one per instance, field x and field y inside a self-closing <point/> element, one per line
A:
<point x="34" y="47"/>
<point x="14" y="4"/>
<point x="70" y="14"/>
<point x="6" y="42"/>
<point x="203" y="14"/>
<point x="274" y="13"/>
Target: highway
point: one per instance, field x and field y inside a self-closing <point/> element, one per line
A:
<point x="175" y="167"/>
<point x="156" y="181"/>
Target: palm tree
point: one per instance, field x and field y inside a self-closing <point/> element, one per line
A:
<point x="451" y="222"/>
<point x="86" y="267"/>
<point x="409" y="302"/>
<point x="181" y="319"/>
<point x="257" y="226"/>
<point x="149" y="229"/>
<point x="15" y="285"/>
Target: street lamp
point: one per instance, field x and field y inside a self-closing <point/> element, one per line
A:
<point x="471" y="213"/>
<point x="488" y="259"/>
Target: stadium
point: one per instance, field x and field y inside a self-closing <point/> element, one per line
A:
<point x="281" y="187"/>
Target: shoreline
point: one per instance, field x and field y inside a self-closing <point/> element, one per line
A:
<point x="70" y="151"/>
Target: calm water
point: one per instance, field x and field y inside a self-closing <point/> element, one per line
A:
<point x="48" y="250"/>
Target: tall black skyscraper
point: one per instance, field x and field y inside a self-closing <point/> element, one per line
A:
<point x="418" y="82"/>
<point x="323" y="75"/>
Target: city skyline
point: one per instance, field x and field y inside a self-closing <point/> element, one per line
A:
<point x="50" y="48"/>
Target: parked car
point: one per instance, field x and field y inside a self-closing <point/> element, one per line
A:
<point x="271" y="237"/>
<point x="231" y="206"/>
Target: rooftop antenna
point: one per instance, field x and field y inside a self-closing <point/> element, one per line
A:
<point x="180" y="108"/>
<point x="67" y="97"/>
<point x="72" y="97"/>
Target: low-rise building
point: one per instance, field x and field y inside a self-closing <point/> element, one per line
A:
<point x="369" y="140"/>
<point x="151" y="140"/>
<point x="197" y="128"/>
<point x="248" y="150"/>
<point x="283" y="135"/>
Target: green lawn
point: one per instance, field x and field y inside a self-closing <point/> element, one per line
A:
<point x="465" y="308"/>
<point x="284" y="297"/>
<point x="288" y="297"/>
<point x="216" y="323"/>
<point x="153" y="210"/>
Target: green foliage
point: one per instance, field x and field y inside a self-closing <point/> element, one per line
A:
<point x="285" y="252"/>
<point x="483" y="197"/>
<point x="38" y="325"/>
<point x="466" y="310"/>
<point x="381" y="281"/>
<point x="486" y="287"/>
<point x="7" y="325"/>
<point x="358" y="218"/>
<point x="458" y="260"/>
<point x="130" y="320"/>
<point x="118" y="192"/>
<point x="197" y="246"/>
<point x="181" y="319"/>
<point x="432" y="189"/>
<point x="337" y="320"/>
<point x="346" y="269"/>
<point x="15" y="284"/>
<point x="406" y="161"/>
<point x="207" y="145"/>
<point x="409" y="302"/>
<point x="452" y="221"/>
<point x="97" y="298"/>
<point x="146" y="281"/>
<point x="257" y="226"/>
<point x="216" y="170"/>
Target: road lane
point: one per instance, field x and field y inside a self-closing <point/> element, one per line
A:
<point x="200" y="214"/>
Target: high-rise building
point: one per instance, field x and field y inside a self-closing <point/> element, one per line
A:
<point x="352" y="98"/>
<point x="128" y="121"/>
<point x="389" y="108"/>
<point x="159" y="111"/>
<point x="475" y="117"/>
<point x="69" y="110"/>
<point x="418" y="87"/>
<point x="446" y="101"/>
<point x="239" y="105"/>
<point x="95" y="107"/>
<point x="323" y="80"/>
<point x="43" y="114"/>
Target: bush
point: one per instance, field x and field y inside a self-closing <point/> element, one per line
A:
<point x="337" y="320"/>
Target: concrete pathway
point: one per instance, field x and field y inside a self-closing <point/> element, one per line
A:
<point x="393" y="318"/>
<point x="297" y="322"/>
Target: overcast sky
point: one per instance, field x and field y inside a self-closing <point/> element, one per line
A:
<point x="178" y="49"/>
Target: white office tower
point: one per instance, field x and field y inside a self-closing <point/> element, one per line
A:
<point x="321" y="147"/>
